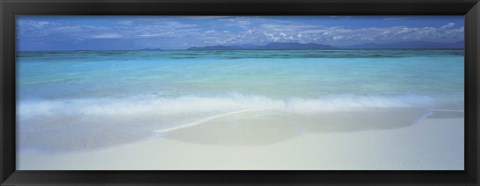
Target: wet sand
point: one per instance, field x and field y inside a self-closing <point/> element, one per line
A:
<point x="429" y="144"/>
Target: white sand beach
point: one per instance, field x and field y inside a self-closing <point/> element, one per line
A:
<point x="430" y="144"/>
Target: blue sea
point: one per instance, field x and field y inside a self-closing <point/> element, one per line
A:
<point x="79" y="100"/>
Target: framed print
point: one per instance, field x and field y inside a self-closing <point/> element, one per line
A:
<point x="306" y="92"/>
<point x="190" y="92"/>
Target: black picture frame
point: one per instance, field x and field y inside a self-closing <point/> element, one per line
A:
<point x="11" y="8"/>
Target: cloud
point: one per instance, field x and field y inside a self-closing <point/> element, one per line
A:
<point x="162" y="29"/>
<point x="125" y="22"/>
<point x="152" y="35"/>
<point x="44" y="29"/>
<point x="396" y="18"/>
<point x="449" y="25"/>
<point x="107" y="36"/>
<point x="205" y="17"/>
<point x="185" y="31"/>
<point x="343" y="36"/>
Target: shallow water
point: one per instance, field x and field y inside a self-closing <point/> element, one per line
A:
<point x="90" y="99"/>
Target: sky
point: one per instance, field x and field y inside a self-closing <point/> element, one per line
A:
<point x="40" y="33"/>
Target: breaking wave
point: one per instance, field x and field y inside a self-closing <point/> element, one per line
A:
<point x="154" y="105"/>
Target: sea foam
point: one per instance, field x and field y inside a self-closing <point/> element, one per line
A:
<point x="161" y="106"/>
<point x="91" y="123"/>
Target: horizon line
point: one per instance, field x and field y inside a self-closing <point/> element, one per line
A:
<point x="462" y="48"/>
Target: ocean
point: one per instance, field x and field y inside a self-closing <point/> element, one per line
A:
<point x="87" y="100"/>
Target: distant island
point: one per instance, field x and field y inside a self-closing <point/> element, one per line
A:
<point x="409" y="45"/>
<point x="151" y="49"/>
<point x="216" y="47"/>
<point x="270" y="46"/>
<point x="315" y="46"/>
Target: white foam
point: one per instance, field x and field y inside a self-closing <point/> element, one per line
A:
<point x="164" y="106"/>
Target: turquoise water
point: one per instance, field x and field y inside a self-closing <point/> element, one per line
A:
<point x="98" y="92"/>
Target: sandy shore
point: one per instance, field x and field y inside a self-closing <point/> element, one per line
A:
<point x="435" y="144"/>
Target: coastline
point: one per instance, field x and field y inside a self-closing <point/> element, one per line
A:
<point x="431" y="144"/>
